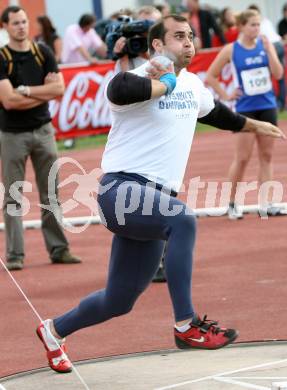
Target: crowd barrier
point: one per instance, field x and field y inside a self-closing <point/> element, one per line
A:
<point x="83" y="109"/>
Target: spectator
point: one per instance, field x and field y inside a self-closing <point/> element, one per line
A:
<point x="149" y="12"/>
<point x="228" y="25"/>
<point x="164" y="9"/>
<point x="81" y="41"/>
<point x="269" y="31"/>
<point x="126" y="62"/>
<point x="282" y="25"/>
<point x="47" y="34"/>
<point x="4" y="40"/>
<point x="102" y="25"/>
<point x="123" y="11"/>
<point x="29" y="78"/>
<point x="254" y="60"/>
<point x="203" y="22"/>
<point x="181" y="10"/>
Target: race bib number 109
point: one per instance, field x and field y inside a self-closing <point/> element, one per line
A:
<point x="256" y="81"/>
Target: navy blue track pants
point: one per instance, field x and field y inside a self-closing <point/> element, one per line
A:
<point x="142" y="218"/>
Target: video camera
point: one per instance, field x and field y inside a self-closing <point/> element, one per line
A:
<point x="133" y="31"/>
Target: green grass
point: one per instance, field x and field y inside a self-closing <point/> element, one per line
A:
<point x="96" y="141"/>
<point x="93" y="141"/>
<point x="282" y="115"/>
<point x="200" y="128"/>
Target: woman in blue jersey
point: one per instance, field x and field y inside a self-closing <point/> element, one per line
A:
<point x="254" y="61"/>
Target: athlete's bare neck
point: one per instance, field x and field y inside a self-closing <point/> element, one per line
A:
<point x="247" y="42"/>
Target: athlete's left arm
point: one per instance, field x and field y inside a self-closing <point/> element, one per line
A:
<point x="223" y="118"/>
<point x="275" y="66"/>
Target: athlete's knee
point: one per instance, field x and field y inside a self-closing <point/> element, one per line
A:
<point x="122" y="309"/>
<point x="120" y="302"/>
<point x="266" y="157"/>
<point x="104" y="305"/>
<point x="242" y="160"/>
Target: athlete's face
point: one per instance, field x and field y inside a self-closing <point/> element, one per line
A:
<point x="17" y="26"/>
<point x="252" y="28"/>
<point x="178" y="43"/>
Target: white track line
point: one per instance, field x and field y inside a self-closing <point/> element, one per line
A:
<point x="40" y="319"/>
<point x="261" y="377"/>
<point x="210" y="377"/>
<point x="231" y="381"/>
<point x="2" y="387"/>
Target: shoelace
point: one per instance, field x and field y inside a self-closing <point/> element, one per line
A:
<point x="205" y="325"/>
<point x="59" y="360"/>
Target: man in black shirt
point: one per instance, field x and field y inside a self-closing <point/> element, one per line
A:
<point x="29" y="78"/>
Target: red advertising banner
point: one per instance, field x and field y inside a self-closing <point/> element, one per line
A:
<point x="201" y="63"/>
<point x="83" y="109"/>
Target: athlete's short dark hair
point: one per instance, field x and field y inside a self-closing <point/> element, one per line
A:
<point x="158" y="30"/>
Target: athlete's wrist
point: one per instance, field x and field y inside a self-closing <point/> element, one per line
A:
<point x="250" y="126"/>
<point x="169" y="80"/>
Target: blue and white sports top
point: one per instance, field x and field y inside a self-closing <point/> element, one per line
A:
<point x="251" y="74"/>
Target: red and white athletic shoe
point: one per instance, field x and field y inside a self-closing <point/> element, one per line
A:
<point x="204" y="334"/>
<point x="57" y="358"/>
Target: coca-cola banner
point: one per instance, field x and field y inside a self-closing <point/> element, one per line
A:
<point x="83" y="110"/>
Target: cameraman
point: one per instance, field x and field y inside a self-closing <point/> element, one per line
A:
<point x="125" y="61"/>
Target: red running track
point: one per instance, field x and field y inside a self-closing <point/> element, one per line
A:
<point x="239" y="273"/>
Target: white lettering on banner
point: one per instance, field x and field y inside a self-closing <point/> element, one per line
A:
<point x="54" y="107"/>
<point x="76" y="111"/>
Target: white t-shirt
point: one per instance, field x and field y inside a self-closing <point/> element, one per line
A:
<point x="153" y="138"/>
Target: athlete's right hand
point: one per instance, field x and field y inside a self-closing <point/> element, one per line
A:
<point x="155" y="70"/>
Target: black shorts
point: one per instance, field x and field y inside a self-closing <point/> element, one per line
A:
<point x="269" y="115"/>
